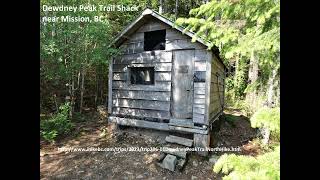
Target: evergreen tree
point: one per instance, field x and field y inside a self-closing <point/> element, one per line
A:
<point x="242" y="29"/>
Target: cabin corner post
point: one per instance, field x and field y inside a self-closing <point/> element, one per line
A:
<point x="202" y="141"/>
<point x="207" y="90"/>
<point x="110" y="87"/>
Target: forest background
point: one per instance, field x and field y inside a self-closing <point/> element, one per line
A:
<point x="74" y="60"/>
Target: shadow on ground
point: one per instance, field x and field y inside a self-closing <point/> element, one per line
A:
<point x="234" y="131"/>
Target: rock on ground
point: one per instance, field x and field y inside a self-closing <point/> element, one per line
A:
<point x="169" y="162"/>
<point x="213" y="159"/>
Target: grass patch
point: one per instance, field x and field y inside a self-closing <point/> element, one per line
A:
<point x="265" y="166"/>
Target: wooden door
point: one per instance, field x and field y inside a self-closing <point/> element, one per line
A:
<point x="182" y="84"/>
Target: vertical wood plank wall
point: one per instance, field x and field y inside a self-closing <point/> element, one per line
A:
<point x="200" y="93"/>
<point x="216" y="88"/>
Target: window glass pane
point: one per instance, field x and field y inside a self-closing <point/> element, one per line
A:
<point x="155" y="40"/>
<point x="199" y="76"/>
<point x="142" y="75"/>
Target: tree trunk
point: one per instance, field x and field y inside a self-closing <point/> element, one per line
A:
<point x="101" y="89"/>
<point x="253" y="68"/>
<point x="161" y="7"/>
<point x="270" y="103"/>
<point x="72" y="96"/>
<point x="270" y="91"/>
<point x="176" y="9"/>
<point x="218" y="16"/>
<point x="83" y="72"/>
<point x="236" y="69"/>
<point x="271" y="100"/>
<point x="265" y="132"/>
<point x="55" y="102"/>
<point x="251" y="97"/>
<point x="97" y="88"/>
<point x="277" y="91"/>
<point x="82" y="90"/>
<point x="78" y="82"/>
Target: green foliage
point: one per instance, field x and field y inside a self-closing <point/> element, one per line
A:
<point x="77" y="117"/>
<point x="267" y="118"/>
<point x="231" y="119"/>
<point x="49" y="135"/>
<point x="253" y="86"/>
<point x="58" y="124"/>
<point x="239" y="28"/>
<point x="68" y="50"/>
<point x="229" y="98"/>
<point x="262" y="167"/>
<point x="243" y="26"/>
<point x="237" y="82"/>
<point x="245" y="108"/>
<point x="237" y="103"/>
<point x="240" y="79"/>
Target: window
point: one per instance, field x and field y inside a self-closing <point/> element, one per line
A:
<point x="199" y="76"/>
<point x="155" y="40"/>
<point x="142" y="75"/>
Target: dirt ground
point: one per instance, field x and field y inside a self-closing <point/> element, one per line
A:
<point x="234" y="131"/>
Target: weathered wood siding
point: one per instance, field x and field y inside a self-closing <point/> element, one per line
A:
<point x="174" y="39"/>
<point x="145" y="101"/>
<point x="155" y="101"/>
<point x="217" y="85"/>
<point x="199" y="97"/>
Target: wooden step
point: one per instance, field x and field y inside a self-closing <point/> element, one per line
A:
<point x="179" y="140"/>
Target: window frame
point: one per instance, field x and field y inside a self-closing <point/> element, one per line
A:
<point x="146" y="67"/>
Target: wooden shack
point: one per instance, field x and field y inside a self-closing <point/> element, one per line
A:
<point x="163" y="81"/>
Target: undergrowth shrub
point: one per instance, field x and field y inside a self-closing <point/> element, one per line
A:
<point x="238" y="103"/>
<point x="229" y="98"/>
<point x="268" y="118"/>
<point x="244" y="107"/>
<point x="262" y="167"/>
<point x="58" y="124"/>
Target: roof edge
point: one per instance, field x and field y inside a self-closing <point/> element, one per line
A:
<point x="147" y="12"/>
<point x="165" y="20"/>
